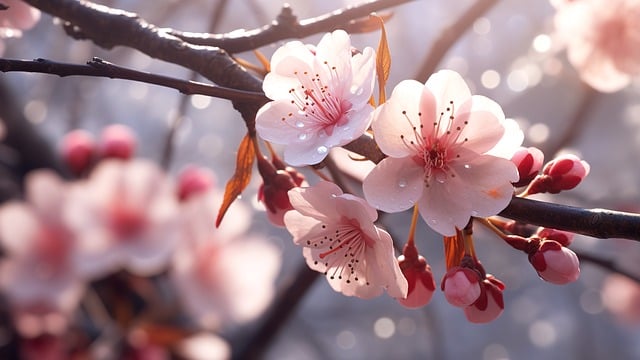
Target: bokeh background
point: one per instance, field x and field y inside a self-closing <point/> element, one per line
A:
<point x="509" y="54"/>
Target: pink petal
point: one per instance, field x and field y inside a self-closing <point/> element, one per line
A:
<point x="441" y="212"/>
<point x="394" y="184"/>
<point x="305" y="230"/>
<point x="363" y="68"/>
<point x="390" y="123"/>
<point x="484" y="127"/>
<point x="271" y="127"/>
<point x="387" y="267"/>
<point x="447" y="86"/>
<point x="19" y="227"/>
<point x="510" y="142"/>
<point x="351" y="205"/>
<point x="317" y="201"/>
<point x="335" y="48"/>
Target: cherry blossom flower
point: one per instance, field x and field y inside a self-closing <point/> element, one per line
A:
<point x="341" y="241"/>
<point x="555" y="263"/>
<point x="38" y="276"/>
<point x="437" y="138"/>
<point x="125" y="215"/>
<point x="621" y="297"/>
<point x="194" y="180"/>
<point x="419" y="278"/>
<point x="461" y="286"/>
<point x="78" y="149"/>
<point x="602" y="39"/>
<point x="117" y="141"/>
<point x="320" y="97"/>
<point x="19" y="16"/>
<point x="222" y="275"/>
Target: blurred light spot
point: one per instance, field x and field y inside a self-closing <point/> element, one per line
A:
<point x="517" y="80"/>
<point x="407" y="326"/>
<point x="482" y="46"/>
<point x="542" y="333"/>
<point x="346" y="340"/>
<point x="384" y="328"/>
<point x="210" y="145"/>
<point x="495" y="352"/>
<point x="538" y="133"/>
<point x="591" y="302"/>
<point x="138" y="91"/>
<point x="482" y="26"/>
<point x="524" y="310"/>
<point x="200" y="101"/>
<point x="35" y="111"/>
<point x="542" y="43"/>
<point x="490" y="79"/>
<point x="458" y="64"/>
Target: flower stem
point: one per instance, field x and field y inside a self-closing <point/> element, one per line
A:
<point x="412" y="228"/>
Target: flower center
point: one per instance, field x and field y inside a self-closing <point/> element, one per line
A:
<point x="126" y="221"/>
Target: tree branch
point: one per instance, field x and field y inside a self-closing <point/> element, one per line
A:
<point x="101" y="68"/>
<point x="287" y="26"/>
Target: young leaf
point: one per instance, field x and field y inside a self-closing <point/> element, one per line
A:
<point x="383" y="62"/>
<point x="240" y="179"/>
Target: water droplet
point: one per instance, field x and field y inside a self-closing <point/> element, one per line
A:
<point x="322" y="150"/>
<point x="434" y="222"/>
<point x="467" y="166"/>
<point x="299" y="124"/>
<point x="441" y="177"/>
<point x="402" y="183"/>
<point x="302" y="136"/>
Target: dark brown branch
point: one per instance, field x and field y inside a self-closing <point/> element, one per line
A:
<point x="100" y="68"/>
<point x="287" y="26"/>
<point x="599" y="223"/>
<point x="449" y="36"/>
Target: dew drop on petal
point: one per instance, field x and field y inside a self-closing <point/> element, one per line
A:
<point x="402" y="183"/>
<point x="467" y="166"/>
<point x="441" y="177"/>
<point x="299" y="124"/>
<point x="302" y="136"/>
<point x="322" y="150"/>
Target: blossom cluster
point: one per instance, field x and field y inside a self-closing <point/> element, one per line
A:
<point x="452" y="156"/>
<point x="124" y="217"/>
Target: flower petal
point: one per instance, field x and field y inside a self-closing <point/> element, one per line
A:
<point x="448" y="86"/>
<point x="317" y="201"/>
<point x="394" y="184"/>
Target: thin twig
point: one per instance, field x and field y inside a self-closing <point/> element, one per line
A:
<point x="607" y="264"/>
<point x="450" y="35"/>
<point x="101" y="68"/>
<point x="287" y="26"/>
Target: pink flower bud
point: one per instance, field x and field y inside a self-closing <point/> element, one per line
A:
<point x="529" y="162"/>
<point x="555" y="263"/>
<point x="562" y="173"/>
<point x="78" y="148"/>
<point x="274" y="191"/>
<point x="565" y="238"/>
<point x="461" y="286"/>
<point x="418" y="273"/>
<point x="117" y="141"/>
<point x="194" y="180"/>
<point x="490" y="303"/>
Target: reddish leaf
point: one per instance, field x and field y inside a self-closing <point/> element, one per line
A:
<point x="383" y="61"/>
<point x="240" y="179"/>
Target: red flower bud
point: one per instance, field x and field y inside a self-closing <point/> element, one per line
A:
<point x="194" y="180"/>
<point x="565" y="238"/>
<point x="562" y="173"/>
<point x="117" y="141"/>
<point x="78" y="149"/>
<point x="274" y="189"/>
<point x="490" y="303"/>
<point x="529" y="162"/>
<point x="418" y="273"/>
<point x="461" y="286"/>
<point x="555" y="263"/>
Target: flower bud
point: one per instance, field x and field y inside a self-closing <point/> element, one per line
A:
<point x="529" y="162"/>
<point x="490" y="303"/>
<point x="461" y="286"/>
<point x="565" y="238"/>
<point x="78" y="148"/>
<point x="273" y="191"/>
<point x="418" y="273"/>
<point x="562" y="173"/>
<point x="194" y="180"/>
<point x="117" y="141"/>
<point x="555" y="263"/>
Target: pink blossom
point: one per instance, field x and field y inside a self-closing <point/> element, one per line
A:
<point x="562" y="173"/>
<point x="602" y="39"/>
<point x="223" y="276"/>
<point x="555" y="263"/>
<point x="461" y="286"/>
<point x="38" y="276"/>
<point x="125" y="215"/>
<point x="341" y="241"/>
<point x="117" y="141"/>
<point x="529" y="162"/>
<point x="19" y="16"/>
<point x="437" y="137"/>
<point x="489" y="305"/>
<point x="320" y="97"/>
<point x="419" y="278"/>
<point x="194" y="180"/>
<point x="621" y="297"/>
<point x="78" y="149"/>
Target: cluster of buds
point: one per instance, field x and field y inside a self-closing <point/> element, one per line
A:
<point x="468" y="286"/>
<point x="549" y="255"/>
<point x="562" y="173"/>
<point x="277" y="180"/>
<point x="80" y="151"/>
<point x="418" y="273"/>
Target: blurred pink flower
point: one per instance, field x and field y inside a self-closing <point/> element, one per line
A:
<point x="125" y="215"/>
<point x="320" y="97"/>
<point x="78" y="149"/>
<point x="602" y="39"/>
<point x="117" y="141"/>
<point x="19" y="16"/>
<point x="222" y="275"/>
<point x="437" y="138"/>
<point x="194" y="180"/>
<point x="621" y="297"/>
<point x="38" y="276"/>
<point x="340" y="240"/>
